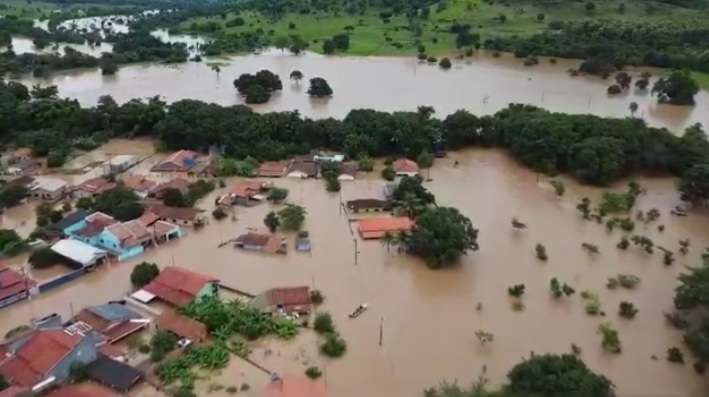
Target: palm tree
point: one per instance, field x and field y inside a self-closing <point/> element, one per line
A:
<point x="410" y="205"/>
<point x="296" y="75"/>
<point x="388" y="240"/>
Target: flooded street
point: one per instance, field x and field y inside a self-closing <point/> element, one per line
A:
<point x="429" y="317"/>
<point x="482" y="84"/>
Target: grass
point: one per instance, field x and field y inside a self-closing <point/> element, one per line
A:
<point x="42" y="10"/>
<point x="370" y="34"/>
<point x="702" y="79"/>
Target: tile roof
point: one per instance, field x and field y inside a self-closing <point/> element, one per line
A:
<point x="177" y="285"/>
<point x="309" y="168"/>
<point x="95" y="223"/>
<point x="38" y="356"/>
<point x="180" y="184"/>
<point x="96" y="185"/>
<point x="161" y="228"/>
<point x="247" y="189"/>
<point x="167" y="212"/>
<point x="349" y="168"/>
<point x="112" y="320"/>
<point x="182" y="160"/>
<point x="131" y="233"/>
<point x="182" y="326"/>
<point x="148" y="218"/>
<point x="296" y="386"/>
<point x="405" y="165"/>
<point x="138" y="183"/>
<point x="292" y="299"/>
<point x="268" y="242"/>
<point x="379" y="226"/>
<point x="272" y="168"/>
<point x="114" y="374"/>
<point x="75" y="217"/>
<point x="13" y="283"/>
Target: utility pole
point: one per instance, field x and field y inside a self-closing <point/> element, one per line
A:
<point x="356" y="250"/>
<point x="381" y="332"/>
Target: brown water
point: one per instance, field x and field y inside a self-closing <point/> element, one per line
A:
<point x="429" y="317"/>
<point x="482" y="84"/>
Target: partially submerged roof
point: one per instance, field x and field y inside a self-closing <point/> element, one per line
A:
<point x="113" y="320"/>
<point x="178" y="285"/>
<point x="368" y="203"/>
<point x="38" y="356"/>
<point x="246" y="189"/>
<point x="75" y="217"/>
<point x="138" y="183"/>
<point x="131" y="233"/>
<point x="289" y="299"/>
<point x="114" y="374"/>
<point x="379" y="226"/>
<point x="182" y="160"/>
<point x="49" y="184"/>
<point x="182" y="326"/>
<point x="13" y="283"/>
<point x="167" y="212"/>
<point x="405" y="166"/>
<point x="306" y="167"/>
<point x="96" y="185"/>
<point x="272" y="168"/>
<point x="270" y="243"/>
<point x="78" y="251"/>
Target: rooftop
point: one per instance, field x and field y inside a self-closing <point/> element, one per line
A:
<point x="82" y="390"/>
<point x="405" y="166"/>
<point x="272" y="168"/>
<point x="112" y="320"/>
<point x="78" y="251"/>
<point x="75" y="217"/>
<point x="290" y="299"/>
<point x="49" y="184"/>
<point x="182" y="160"/>
<point x="247" y="188"/>
<point x="164" y="211"/>
<point x="96" y="185"/>
<point x="114" y="374"/>
<point x="182" y="326"/>
<point x="178" y="285"/>
<point x="138" y="183"/>
<point x="12" y="282"/>
<point x="379" y="226"/>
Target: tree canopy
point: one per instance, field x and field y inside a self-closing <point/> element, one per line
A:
<point x="319" y="88"/>
<point x="441" y="236"/>
<point x="679" y="88"/>
<point x="144" y="273"/>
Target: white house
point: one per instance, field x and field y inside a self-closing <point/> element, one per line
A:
<point x="48" y="188"/>
<point x="122" y="162"/>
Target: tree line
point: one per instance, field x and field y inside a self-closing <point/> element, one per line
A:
<point x="595" y="149"/>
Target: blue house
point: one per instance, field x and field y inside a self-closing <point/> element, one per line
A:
<point x="126" y="239"/>
<point x="72" y="222"/>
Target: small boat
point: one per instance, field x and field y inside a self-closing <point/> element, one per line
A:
<point x="678" y="211"/>
<point x="359" y="310"/>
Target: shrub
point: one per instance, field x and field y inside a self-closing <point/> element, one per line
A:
<point x="628" y="280"/>
<point x="674" y="355"/>
<point x="323" y="323"/>
<point x="445" y="63"/>
<point x="313" y="372"/>
<point x="516" y="290"/>
<point x="144" y="349"/>
<point x="232" y="389"/>
<point x="611" y="340"/>
<point x="334" y="346"/>
<point x="316" y="297"/>
<point x="143" y="274"/>
<point x="219" y="213"/>
<point x="161" y="344"/>
<point x="388" y="173"/>
<point x="541" y="253"/>
<point x="627" y="310"/>
<point x="277" y="194"/>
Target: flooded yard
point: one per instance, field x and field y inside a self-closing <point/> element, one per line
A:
<point x="429" y="317"/>
<point x="482" y="84"/>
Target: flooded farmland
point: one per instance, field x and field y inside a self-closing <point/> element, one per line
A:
<point x="482" y="84"/>
<point x="429" y="317"/>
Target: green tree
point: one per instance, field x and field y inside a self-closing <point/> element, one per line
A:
<point x="292" y="216"/>
<point x="552" y="375"/>
<point x="425" y="159"/>
<point x="12" y="194"/>
<point x="319" y="88"/>
<point x="678" y="88"/>
<point x="296" y="75"/>
<point x="85" y="203"/>
<point x="174" y="198"/>
<point x="388" y="173"/>
<point x="694" y="184"/>
<point x="365" y="163"/>
<point x="332" y="184"/>
<point x="442" y="235"/>
<point x="598" y="160"/>
<point x="143" y="274"/>
<point x="272" y="221"/>
<point x="445" y="63"/>
<point x="323" y="323"/>
<point x="334" y="346"/>
<point x="161" y="343"/>
<point x="277" y="194"/>
<point x="108" y="65"/>
<point x="413" y="185"/>
<point x="120" y="202"/>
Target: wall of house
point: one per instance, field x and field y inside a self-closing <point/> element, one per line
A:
<point x="131" y="252"/>
<point x="110" y="242"/>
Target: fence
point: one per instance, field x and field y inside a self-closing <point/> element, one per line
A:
<point x="61" y="280"/>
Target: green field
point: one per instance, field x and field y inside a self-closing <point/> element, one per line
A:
<point x="372" y="36"/>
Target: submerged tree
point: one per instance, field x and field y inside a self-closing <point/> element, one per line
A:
<point x="441" y="236"/>
<point x="679" y="88"/>
<point x="297" y="76"/>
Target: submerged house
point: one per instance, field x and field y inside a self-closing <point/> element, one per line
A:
<point x="375" y="228"/>
<point x="89" y="229"/>
<point x="141" y="185"/>
<point x="269" y="243"/>
<point x="178" y="215"/>
<point x="182" y="326"/>
<point x="303" y="169"/>
<point x="180" y="184"/>
<point x="126" y="239"/>
<point x="178" y="287"/>
<point x="272" y="169"/>
<point x="348" y="172"/>
<point x="246" y="193"/>
<point x="368" y="205"/>
<point x="122" y="162"/>
<point x="93" y="187"/>
<point x="113" y="321"/>
<point x="43" y="357"/>
<point x="405" y="167"/>
<point x="287" y="300"/>
<point x="13" y="286"/>
<point x="80" y="253"/>
<point x="180" y="161"/>
<point x="48" y="188"/>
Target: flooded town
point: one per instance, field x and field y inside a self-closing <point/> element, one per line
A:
<point x="219" y="227"/>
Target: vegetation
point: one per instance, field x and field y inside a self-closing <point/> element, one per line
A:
<point x="323" y="323"/>
<point x="143" y="273"/>
<point x="611" y="340"/>
<point x="120" y="202"/>
<point x="231" y="167"/>
<point x="12" y="194"/>
<point x="259" y="87"/>
<point x="541" y="252"/>
<point x="678" y="88"/>
<point x="272" y="221"/>
<point x="674" y="355"/>
<point x="161" y="344"/>
<point x="319" y="88"/>
<point x="313" y="372"/>
<point x="691" y="295"/>
<point x="11" y="243"/>
<point x="516" y="290"/>
<point x="441" y="236"/>
<point x="558" y="290"/>
<point x="333" y="346"/>
<point x="292" y="217"/>
<point x="627" y="310"/>
<point x="225" y="319"/>
<point x="207" y="357"/>
<point x="277" y="195"/>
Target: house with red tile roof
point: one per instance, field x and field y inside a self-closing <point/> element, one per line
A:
<point x="141" y="185"/>
<point x="182" y="326"/>
<point x="179" y="161"/>
<point x="177" y="215"/>
<point x="43" y="357"/>
<point x="269" y="243"/>
<point x="93" y="187"/>
<point x="14" y="286"/>
<point x="126" y="239"/>
<point x="286" y="300"/>
<point x="180" y="184"/>
<point x="272" y="169"/>
<point x="112" y="320"/>
<point x="245" y="193"/>
<point x="374" y="228"/>
<point x="296" y="386"/>
<point x="405" y="167"/>
<point x="179" y="286"/>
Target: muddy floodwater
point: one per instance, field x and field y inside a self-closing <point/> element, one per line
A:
<point x="429" y="317"/>
<point x="481" y="84"/>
